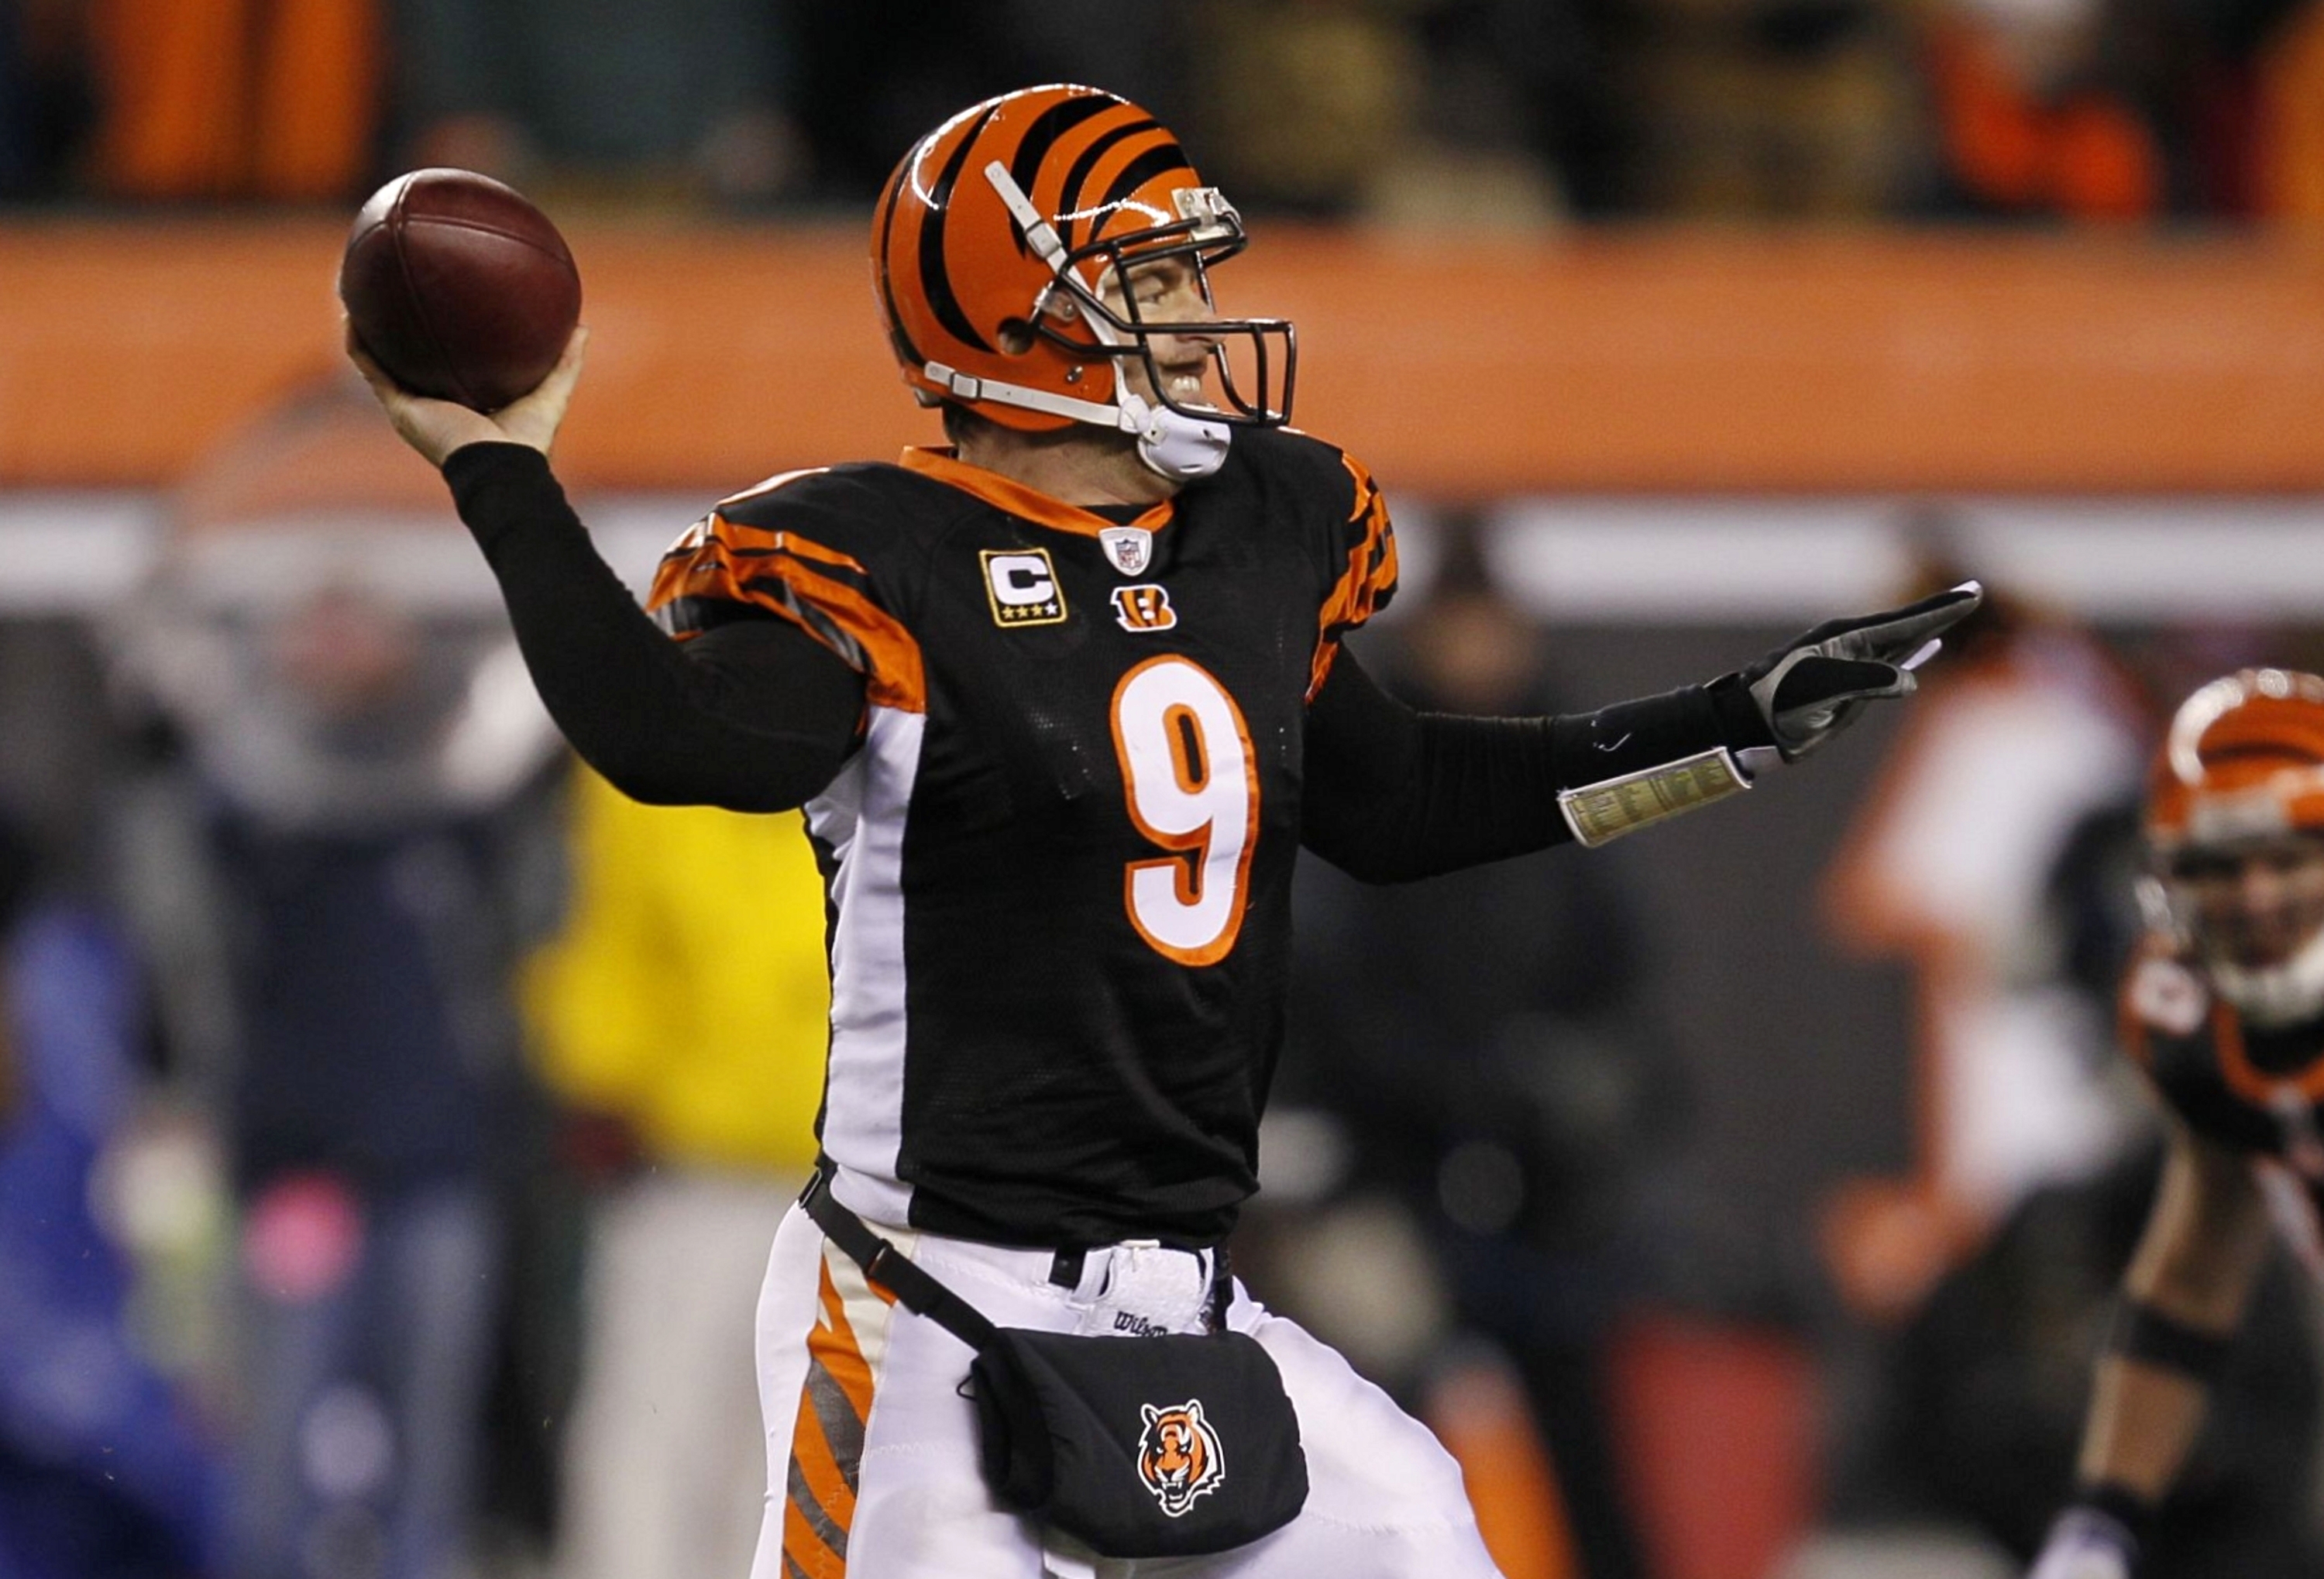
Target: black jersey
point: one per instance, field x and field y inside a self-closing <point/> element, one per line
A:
<point x="2257" y="1093"/>
<point x="1060" y="859"/>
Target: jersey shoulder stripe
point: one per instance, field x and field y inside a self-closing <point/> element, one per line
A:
<point x="1368" y="580"/>
<point x="739" y="563"/>
<point x="1366" y="566"/>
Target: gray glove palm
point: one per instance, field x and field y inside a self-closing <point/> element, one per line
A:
<point x="1809" y="690"/>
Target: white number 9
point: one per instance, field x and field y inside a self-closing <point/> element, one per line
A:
<point x="1192" y="781"/>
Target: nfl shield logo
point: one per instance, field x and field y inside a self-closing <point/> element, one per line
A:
<point x="1130" y="548"/>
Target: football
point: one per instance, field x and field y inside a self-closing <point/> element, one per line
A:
<point x="458" y="287"/>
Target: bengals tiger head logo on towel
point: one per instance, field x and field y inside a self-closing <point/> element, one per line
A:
<point x="1178" y="1455"/>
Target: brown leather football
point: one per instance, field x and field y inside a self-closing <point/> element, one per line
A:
<point x="459" y="287"/>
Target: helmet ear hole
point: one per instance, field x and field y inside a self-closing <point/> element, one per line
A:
<point x="1016" y="336"/>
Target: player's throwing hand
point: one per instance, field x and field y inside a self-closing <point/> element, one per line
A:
<point x="436" y="427"/>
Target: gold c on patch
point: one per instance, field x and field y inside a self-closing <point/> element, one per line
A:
<point x="1022" y="588"/>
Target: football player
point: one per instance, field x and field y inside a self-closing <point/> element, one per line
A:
<point x="2223" y="1010"/>
<point x="1062" y="701"/>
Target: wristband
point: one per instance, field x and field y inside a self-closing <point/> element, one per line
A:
<point x="1602" y="812"/>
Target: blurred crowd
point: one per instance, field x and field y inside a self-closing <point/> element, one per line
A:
<point x="1498" y="113"/>
<point x="393" y="1119"/>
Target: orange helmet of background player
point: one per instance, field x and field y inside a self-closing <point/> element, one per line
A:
<point x="2244" y="760"/>
<point x="991" y="246"/>
<point x="2241" y="774"/>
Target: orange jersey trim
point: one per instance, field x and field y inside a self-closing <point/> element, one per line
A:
<point x="1358" y="591"/>
<point x="783" y="581"/>
<point x="2137" y="1023"/>
<point x="2246" y="1079"/>
<point x="1007" y="493"/>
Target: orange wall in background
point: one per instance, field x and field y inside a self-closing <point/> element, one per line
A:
<point x="1655" y="361"/>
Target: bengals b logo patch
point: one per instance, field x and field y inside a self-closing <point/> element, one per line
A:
<point x="1144" y="607"/>
<point x="1178" y="1455"/>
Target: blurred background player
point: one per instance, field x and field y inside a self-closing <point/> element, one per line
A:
<point x="340" y="849"/>
<point x="2224" y="1011"/>
<point x="1946" y="866"/>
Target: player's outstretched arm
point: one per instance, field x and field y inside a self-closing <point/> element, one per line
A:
<point x="2183" y="1300"/>
<point x="1394" y="794"/>
<point x="1789" y="702"/>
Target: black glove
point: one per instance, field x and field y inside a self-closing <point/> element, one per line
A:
<point x="1808" y="689"/>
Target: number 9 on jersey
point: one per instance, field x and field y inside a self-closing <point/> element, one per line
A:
<point x="1191" y="777"/>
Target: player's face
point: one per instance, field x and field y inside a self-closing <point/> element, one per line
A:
<point x="1167" y="289"/>
<point x="2253" y="905"/>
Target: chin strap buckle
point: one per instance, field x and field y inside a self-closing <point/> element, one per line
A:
<point x="960" y="384"/>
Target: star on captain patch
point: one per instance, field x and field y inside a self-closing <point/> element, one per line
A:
<point x="1130" y="548"/>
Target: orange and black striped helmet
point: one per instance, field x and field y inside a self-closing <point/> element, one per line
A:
<point x="2241" y="774"/>
<point x="2243" y="759"/>
<point x="993" y="242"/>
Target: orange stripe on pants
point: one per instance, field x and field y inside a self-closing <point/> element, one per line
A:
<point x="837" y="1397"/>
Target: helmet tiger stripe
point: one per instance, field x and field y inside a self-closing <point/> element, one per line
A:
<point x="992" y="243"/>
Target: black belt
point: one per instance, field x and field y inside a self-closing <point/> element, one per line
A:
<point x="922" y="1295"/>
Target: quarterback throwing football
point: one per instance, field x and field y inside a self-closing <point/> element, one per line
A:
<point x="1062" y="702"/>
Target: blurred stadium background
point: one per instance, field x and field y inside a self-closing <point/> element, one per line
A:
<point x="1762" y="1227"/>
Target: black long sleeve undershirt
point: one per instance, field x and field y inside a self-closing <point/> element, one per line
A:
<point x="1394" y="793"/>
<point x="756" y="716"/>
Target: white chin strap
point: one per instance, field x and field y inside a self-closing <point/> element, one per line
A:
<point x="2278" y="994"/>
<point x="1172" y="444"/>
